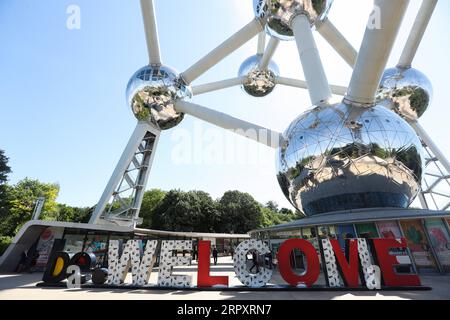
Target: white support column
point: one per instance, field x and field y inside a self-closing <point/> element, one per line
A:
<point x="318" y="87"/>
<point x="268" y="54"/>
<point x="151" y="31"/>
<point x="219" y="85"/>
<point x="337" y="90"/>
<point x="252" y="131"/>
<point x="261" y="43"/>
<point x="376" y="47"/>
<point x="431" y="145"/>
<point x="417" y="32"/>
<point x="332" y="35"/>
<point x="218" y="54"/>
<point x="135" y="140"/>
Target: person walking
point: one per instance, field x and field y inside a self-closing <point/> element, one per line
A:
<point x="255" y="261"/>
<point x="215" y="253"/>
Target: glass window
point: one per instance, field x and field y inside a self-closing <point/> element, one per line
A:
<point x="440" y="240"/>
<point x="344" y="232"/>
<point x="74" y="242"/>
<point x="367" y="230"/>
<point x="418" y="244"/>
<point x="391" y="230"/>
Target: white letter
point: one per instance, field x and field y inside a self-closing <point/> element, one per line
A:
<point x="371" y="272"/>
<point x="118" y="266"/>
<point x="259" y="279"/>
<point x="74" y="280"/>
<point x="74" y="20"/>
<point x="167" y="262"/>
<point x="331" y="271"/>
<point x="374" y="19"/>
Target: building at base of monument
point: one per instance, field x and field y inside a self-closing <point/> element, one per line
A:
<point x="40" y="236"/>
<point x="427" y="233"/>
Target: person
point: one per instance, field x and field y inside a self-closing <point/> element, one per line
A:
<point x="215" y="254"/>
<point x="22" y="263"/>
<point x="268" y="258"/>
<point x="255" y="261"/>
<point x="194" y="253"/>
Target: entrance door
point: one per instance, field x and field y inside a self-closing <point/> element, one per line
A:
<point x="440" y="240"/>
<point x="418" y="244"/>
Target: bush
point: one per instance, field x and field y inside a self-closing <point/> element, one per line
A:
<point x="4" y="243"/>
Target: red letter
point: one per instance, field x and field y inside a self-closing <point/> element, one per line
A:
<point x="388" y="261"/>
<point x="203" y="277"/>
<point x="350" y="268"/>
<point x="313" y="266"/>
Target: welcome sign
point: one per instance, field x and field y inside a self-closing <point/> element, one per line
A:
<point x="362" y="263"/>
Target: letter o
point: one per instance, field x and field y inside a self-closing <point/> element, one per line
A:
<point x="313" y="265"/>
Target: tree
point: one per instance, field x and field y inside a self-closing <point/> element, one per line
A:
<point x="239" y="212"/>
<point x="185" y="211"/>
<point x="73" y="214"/>
<point x="152" y="199"/>
<point x="4" y="171"/>
<point x="272" y="205"/>
<point x="20" y="202"/>
<point x="4" y="168"/>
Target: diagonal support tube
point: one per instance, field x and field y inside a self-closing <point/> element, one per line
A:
<point x="268" y="54"/>
<point x="249" y="130"/>
<point x="318" y="87"/>
<point x="430" y="144"/>
<point x="418" y="30"/>
<point x="219" y="85"/>
<point x="332" y="35"/>
<point x="338" y="90"/>
<point x="261" y="43"/>
<point x="151" y="31"/>
<point x="218" y="54"/>
<point x="376" y="47"/>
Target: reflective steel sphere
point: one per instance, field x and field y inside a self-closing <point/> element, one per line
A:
<point x="260" y="82"/>
<point x="342" y="157"/>
<point x="279" y="14"/>
<point x="408" y="92"/>
<point x="151" y="94"/>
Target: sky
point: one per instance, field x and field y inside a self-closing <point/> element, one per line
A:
<point x="64" y="118"/>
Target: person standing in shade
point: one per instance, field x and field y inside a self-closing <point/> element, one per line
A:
<point x="255" y="261"/>
<point x="215" y="254"/>
<point x="194" y="253"/>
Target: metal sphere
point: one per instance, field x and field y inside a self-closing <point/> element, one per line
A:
<point x="259" y="82"/>
<point x="408" y="92"/>
<point x="151" y="93"/>
<point x="279" y="14"/>
<point x="343" y="157"/>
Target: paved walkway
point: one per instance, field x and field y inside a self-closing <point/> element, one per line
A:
<point x="23" y="286"/>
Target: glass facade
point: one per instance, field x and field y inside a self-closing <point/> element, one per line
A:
<point x="367" y="230"/>
<point x="418" y="244"/>
<point x="440" y="240"/>
<point x="428" y="241"/>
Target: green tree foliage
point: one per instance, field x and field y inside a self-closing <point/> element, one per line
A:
<point x="4" y="168"/>
<point x="20" y="201"/>
<point x="272" y="216"/>
<point x="151" y="200"/>
<point x="239" y="212"/>
<point x="4" y="171"/>
<point x="185" y="211"/>
<point x="73" y="214"/>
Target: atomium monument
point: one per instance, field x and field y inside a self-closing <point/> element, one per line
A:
<point x="367" y="151"/>
<point x="363" y="156"/>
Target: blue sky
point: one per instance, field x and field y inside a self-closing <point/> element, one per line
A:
<point x="62" y="92"/>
